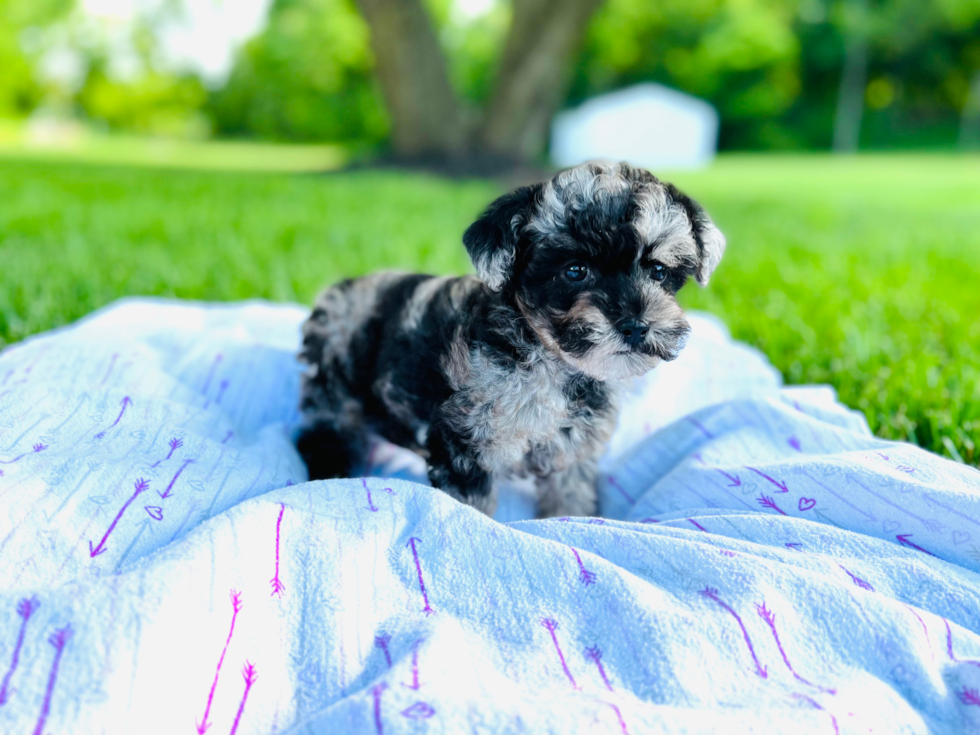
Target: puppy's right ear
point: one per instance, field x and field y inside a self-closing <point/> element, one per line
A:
<point x="492" y="240"/>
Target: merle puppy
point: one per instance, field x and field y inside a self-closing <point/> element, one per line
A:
<point x="514" y="372"/>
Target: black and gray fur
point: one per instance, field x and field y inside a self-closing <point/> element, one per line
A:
<point x="514" y="372"/>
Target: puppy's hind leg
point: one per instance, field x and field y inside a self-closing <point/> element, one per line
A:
<point x="454" y="470"/>
<point x="333" y="439"/>
<point x="570" y="492"/>
<point x="331" y="450"/>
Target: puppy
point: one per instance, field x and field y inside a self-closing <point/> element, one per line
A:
<point x="514" y="372"/>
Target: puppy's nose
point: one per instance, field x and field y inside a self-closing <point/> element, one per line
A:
<point x="633" y="331"/>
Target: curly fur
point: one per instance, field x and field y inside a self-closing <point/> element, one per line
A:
<point x="515" y="372"/>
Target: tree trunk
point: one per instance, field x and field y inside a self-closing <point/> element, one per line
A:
<point x="533" y="75"/>
<point x="970" y="116"/>
<point x="854" y="80"/>
<point x="427" y="122"/>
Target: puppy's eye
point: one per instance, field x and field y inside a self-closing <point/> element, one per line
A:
<point x="659" y="271"/>
<point x="576" y="273"/>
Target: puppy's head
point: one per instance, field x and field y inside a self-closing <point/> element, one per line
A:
<point x="593" y="259"/>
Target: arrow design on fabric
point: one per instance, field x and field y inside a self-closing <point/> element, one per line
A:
<point x="615" y="483"/>
<point x="781" y="485"/>
<point x="552" y="626"/>
<point x="415" y="666"/>
<point x="34" y="450"/>
<point x="770" y="618"/>
<point x="166" y="493"/>
<point x="140" y="486"/>
<point x="903" y="539"/>
<point x="25" y="608"/>
<point x="594" y="654"/>
<point x="277" y="586"/>
<point x="418" y="568"/>
<point x="248" y="673"/>
<point x="585" y="575"/>
<point x="767" y="502"/>
<point x="58" y="639"/>
<point x="236" y="605"/>
<point x="370" y="506"/>
<point x="175" y="444"/>
<point x="126" y="401"/>
<point x="712" y="594"/>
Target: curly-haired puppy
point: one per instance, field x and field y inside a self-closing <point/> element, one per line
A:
<point x="514" y="372"/>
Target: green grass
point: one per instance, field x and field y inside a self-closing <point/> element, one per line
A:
<point x="862" y="273"/>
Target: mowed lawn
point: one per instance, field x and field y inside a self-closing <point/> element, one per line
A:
<point x="859" y="272"/>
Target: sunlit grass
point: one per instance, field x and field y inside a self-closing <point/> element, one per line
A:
<point x="861" y="273"/>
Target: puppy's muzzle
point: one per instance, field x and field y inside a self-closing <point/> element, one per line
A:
<point x="634" y="332"/>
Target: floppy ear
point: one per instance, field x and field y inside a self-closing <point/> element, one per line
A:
<point x="492" y="240"/>
<point x="710" y="240"/>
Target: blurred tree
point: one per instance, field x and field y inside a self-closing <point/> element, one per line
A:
<point x="428" y="121"/>
<point x="307" y="76"/>
<point x="21" y="24"/>
<point x="742" y="55"/>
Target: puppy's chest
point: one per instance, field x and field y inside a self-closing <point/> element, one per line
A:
<point x="531" y="415"/>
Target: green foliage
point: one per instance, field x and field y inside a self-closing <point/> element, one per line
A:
<point x="772" y="67"/>
<point x="307" y="76"/>
<point x="20" y="20"/>
<point x="856" y="272"/>
<point x="153" y="103"/>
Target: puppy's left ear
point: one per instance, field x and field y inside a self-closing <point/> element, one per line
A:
<point x="492" y="240"/>
<point x="710" y="240"/>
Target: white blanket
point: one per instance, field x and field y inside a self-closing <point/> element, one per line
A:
<point x="764" y="565"/>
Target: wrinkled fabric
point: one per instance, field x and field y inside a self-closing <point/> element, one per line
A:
<point x="764" y="564"/>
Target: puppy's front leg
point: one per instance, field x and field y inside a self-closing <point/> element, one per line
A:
<point x="453" y="468"/>
<point x="569" y="492"/>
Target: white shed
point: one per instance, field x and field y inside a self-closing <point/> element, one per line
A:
<point x="648" y="125"/>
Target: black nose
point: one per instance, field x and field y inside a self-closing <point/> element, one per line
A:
<point x="634" y="332"/>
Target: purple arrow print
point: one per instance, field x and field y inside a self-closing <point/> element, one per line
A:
<point x="701" y="427"/>
<point x="928" y="523"/>
<point x="816" y="705"/>
<point x="140" y="486"/>
<point x="376" y="691"/>
<point x="712" y="594"/>
<point x="781" y="485"/>
<point x="248" y="673"/>
<point x="236" y="606"/>
<point x="970" y="697"/>
<point x="415" y="666"/>
<point x="594" y="654"/>
<point x="552" y="626"/>
<point x="903" y="539"/>
<point x="58" y="639"/>
<point x="767" y="502"/>
<point x="615" y="483"/>
<point x="867" y="514"/>
<point x="381" y="641"/>
<point x="949" y="648"/>
<point x="585" y="575"/>
<point x="770" y="618"/>
<point x="418" y="568"/>
<point x="25" y="608"/>
<point x="857" y="580"/>
<point x="166" y="493"/>
<point x="34" y="450"/>
<point x="126" y="401"/>
<point x="733" y="480"/>
<point x="370" y="506"/>
<point x="277" y="586"/>
<point x="175" y="444"/>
